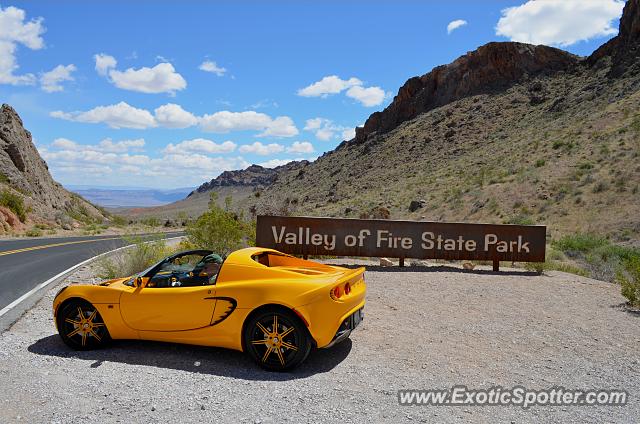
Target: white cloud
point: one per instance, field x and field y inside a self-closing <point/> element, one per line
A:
<point x="13" y="31"/>
<point x="325" y="129"/>
<point x="453" y="25"/>
<point x="274" y="163"/>
<point x="50" y="81"/>
<point x="559" y="23"/>
<point x="162" y="78"/>
<point x="105" y="146"/>
<point x="328" y="85"/>
<point x="209" y="66"/>
<point x="371" y="96"/>
<point x="104" y="63"/>
<point x="172" y="115"/>
<point x="348" y="134"/>
<point x="120" y="115"/>
<point x="200" y="145"/>
<point x="262" y="149"/>
<point x="225" y="121"/>
<point x="68" y="160"/>
<point x="301" y="147"/>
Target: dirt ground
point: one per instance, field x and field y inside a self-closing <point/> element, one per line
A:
<point x="425" y="328"/>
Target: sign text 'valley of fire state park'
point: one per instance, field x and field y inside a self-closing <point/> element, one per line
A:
<point x="401" y="239"/>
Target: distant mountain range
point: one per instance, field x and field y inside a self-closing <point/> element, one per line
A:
<point x="114" y="197"/>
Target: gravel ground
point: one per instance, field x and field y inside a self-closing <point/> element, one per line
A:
<point x="424" y="328"/>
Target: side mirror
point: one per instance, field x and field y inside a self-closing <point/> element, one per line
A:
<point x="139" y="282"/>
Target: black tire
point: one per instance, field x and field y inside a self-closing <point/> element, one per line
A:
<point x="81" y="327"/>
<point x="280" y="350"/>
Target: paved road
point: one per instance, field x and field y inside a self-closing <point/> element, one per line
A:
<point x="25" y="263"/>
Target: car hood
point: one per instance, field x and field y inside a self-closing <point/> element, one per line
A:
<point x="114" y="281"/>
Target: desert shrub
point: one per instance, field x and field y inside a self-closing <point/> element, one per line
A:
<point x="579" y="243"/>
<point x="520" y="219"/>
<point x="15" y="203"/>
<point x="118" y="221"/>
<point x="600" y="187"/>
<point x="600" y="258"/>
<point x="629" y="279"/>
<point x="132" y="260"/>
<point x="540" y="163"/>
<point x="151" y="221"/>
<point x="33" y="232"/>
<point x="219" y="229"/>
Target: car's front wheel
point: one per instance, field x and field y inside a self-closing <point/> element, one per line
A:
<point x="277" y="340"/>
<point x="81" y="327"/>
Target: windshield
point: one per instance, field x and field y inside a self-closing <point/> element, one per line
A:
<point x="130" y="281"/>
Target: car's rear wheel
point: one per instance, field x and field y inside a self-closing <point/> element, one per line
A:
<point x="81" y="327"/>
<point x="277" y="340"/>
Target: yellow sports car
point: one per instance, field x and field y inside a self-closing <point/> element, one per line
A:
<point x="271" y="305"/>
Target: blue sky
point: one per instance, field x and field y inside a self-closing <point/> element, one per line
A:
<point x="281" y="80"/>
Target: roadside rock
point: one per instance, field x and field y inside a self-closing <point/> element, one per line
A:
<point x="417" y="204"/>
<point x="385" y="262"/>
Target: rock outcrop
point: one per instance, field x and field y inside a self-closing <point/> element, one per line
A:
<point x="623" y="49"/>
<point x="24" y="173"/>
<point x="491" y="68"/>
<point x="253" y="176"/>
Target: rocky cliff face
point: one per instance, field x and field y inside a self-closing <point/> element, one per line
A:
<point x="495" y="67"/>
<point x="253" y="176"/>
<point x="491" y="68"/>
<point x="25" y="174"/>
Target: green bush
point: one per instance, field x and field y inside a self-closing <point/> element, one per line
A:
<point x="14" y="203"/>
<point x="219" y="229"/>
<point x="33" y="232"/>
<point x="600" y="258"/>
<point x="580" y="243"/>
<point x="132" y="260"/>
<point x="151" y="221"/>
<point x="118" y="221"/>
<point x="629" y="279"/>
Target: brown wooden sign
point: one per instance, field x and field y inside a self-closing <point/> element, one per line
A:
<point x="401" y="239"/>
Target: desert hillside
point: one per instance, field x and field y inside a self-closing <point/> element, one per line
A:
<point x="509" y="133"/>
<point x="28" y="194"/>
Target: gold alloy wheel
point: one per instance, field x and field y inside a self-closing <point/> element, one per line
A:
<point x="84" y="324"/>
<point x="274" y="337"/>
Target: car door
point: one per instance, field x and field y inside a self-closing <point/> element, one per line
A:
<point x="168" y="308"/>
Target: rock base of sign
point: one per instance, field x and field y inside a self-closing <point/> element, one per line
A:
<point x="468" y="266"/>
<point x="385" y="262"/>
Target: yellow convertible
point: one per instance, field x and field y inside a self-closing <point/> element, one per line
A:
<point x="271" y="305"/>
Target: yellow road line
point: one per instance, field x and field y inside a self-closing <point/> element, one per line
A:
<point x="46" y="246"/>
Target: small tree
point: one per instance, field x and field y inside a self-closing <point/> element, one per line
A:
<point x="217" y="229"/>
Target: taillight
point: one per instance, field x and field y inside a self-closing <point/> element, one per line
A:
<point x="337" y="292"/>
<point x="347" y="288"/>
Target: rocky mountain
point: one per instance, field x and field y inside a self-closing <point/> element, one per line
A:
<point x="253" y="176"/>
<point x="28" y="193"/>
<point x="509" y="133"/>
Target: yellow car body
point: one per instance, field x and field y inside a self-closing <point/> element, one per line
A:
<point x="215" y="314"/>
